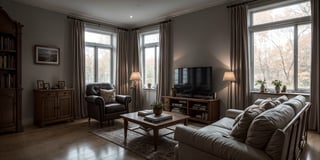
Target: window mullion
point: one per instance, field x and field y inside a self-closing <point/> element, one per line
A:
<point x="155" y="65"/>
<point x="295" y="52"/>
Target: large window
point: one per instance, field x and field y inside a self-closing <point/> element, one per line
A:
<point x="99" y="56"/>
<point x="280" y="45"/>
<point x="150" y="57"/>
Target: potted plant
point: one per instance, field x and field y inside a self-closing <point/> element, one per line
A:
<point x="157" y="108"/>
<point x="261" y="83"/>
<point x="284" y="88"/>
<point x="277" y="84"/>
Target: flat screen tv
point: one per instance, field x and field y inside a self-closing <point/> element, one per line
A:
<point x="195" y="82"/>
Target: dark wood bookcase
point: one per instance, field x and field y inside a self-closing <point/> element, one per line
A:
<point x="10" y="74"/>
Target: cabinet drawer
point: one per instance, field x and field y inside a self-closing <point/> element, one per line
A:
<point x="62" y="93"/>
<point x="46" y="94"/>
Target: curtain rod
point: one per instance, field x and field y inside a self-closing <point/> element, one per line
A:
<point x="96" y="23"/>
<point x="153" y="24"/>
<point x="238" y="4"/>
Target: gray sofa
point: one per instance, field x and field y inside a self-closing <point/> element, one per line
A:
<point x="276" y="130"/>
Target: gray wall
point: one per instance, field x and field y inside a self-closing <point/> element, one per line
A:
<point x="203" y="39"/>
<point x="41" y="27"/>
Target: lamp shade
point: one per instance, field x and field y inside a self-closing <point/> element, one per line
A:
<point x="135" y="76"/>
<point x="229" y="76"/>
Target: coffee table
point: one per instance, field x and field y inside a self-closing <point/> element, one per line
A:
<point x="134" y="118"/>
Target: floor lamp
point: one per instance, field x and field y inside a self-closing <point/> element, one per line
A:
<point x="135" y="77"/>
<point x="229" y="77"/>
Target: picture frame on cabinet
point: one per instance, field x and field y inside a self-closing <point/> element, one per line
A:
<point x="61" y="84"/>
<point x="47" y="55"/>
<point x="40" y="84"/>
<point x="46" y="86"/>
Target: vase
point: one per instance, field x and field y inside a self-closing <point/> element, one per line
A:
<point x="284" y="89"/>
<point x="277" y="89"/>
<point x="157" y="111"/>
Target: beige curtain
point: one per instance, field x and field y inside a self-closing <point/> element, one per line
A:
<point x="314" y="119"/>
<point x="122" y="60"/>
<point x="239" y="57"/>
<point x="135" y="67"/>
<point x="165" y="58"/>
<point x="77" y="42"/>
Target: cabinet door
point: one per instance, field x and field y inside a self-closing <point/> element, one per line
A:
<point x="49" y="103"/>
<point x="7" y="109"/>
<point x="65" y="105"/>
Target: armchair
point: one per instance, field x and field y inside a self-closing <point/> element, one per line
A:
<point x="99" y="109"/>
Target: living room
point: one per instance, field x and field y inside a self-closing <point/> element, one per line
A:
<point x="200" y="38"/>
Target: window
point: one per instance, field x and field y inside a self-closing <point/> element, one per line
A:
<point x="99" y="56"/>
<point x="280" y="45"/>
<point x="150" y="57"/>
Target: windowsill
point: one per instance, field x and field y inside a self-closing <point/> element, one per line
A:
<point x="281" y="93"/>
<point x="149" y="89"/>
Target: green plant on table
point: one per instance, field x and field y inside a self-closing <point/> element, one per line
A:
<point x="157" y="105"/>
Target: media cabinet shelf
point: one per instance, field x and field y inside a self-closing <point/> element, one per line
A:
<point x="200" y="110"/>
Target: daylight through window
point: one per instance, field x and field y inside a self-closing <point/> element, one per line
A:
<point x="150" y="57"/>
<point x="280" y="45"/>
<point x="99" y="56"/>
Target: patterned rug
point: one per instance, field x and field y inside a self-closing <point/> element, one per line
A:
<point x="141" y="144"/>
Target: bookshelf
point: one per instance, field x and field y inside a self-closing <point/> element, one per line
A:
<point x="10" y="74"/>
<point x="200" y="110"/>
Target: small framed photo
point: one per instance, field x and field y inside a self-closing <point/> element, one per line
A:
<point x="40" y="84"/>
<point x="61" y="84"/>
<point x="47" y="55"/>
<point x="46" y="86"/>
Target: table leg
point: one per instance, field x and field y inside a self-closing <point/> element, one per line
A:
<point x="125" y="125"/>
<point x="155" y="138"/>
<point x="186" y="122"/>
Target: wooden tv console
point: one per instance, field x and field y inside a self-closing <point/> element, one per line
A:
<point x="200" y="110"/>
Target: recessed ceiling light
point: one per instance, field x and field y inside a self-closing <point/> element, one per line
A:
<point x="131" y="17"/>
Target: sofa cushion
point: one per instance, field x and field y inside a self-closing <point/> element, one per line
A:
<point x="297" y="103"/>
<point x="282" y="98"/>
<point x="239" y="131"/>
<point x="268" y="104"/>
<point x="274" y="146"/>
<point x="217" y="130"/>
<point x="264" y="125"/>
<point x="108" y="95"/>
<point x="224" y="122"/>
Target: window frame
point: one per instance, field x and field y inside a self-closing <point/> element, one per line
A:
<point x="294" y="22"/>
<point x="149" y="45"/>
<point x="97" y="46"/>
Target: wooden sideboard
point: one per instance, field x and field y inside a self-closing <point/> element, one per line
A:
<point x="52" y="106"/>
<point x="200" y="110"/>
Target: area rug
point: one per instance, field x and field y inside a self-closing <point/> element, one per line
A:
<point x="141" y="144"/>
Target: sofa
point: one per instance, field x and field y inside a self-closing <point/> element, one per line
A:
<point x="105" y="106"/>
<point x="268" y="129"/>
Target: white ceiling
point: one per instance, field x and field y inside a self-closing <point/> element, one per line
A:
<point x="118" y="12"/>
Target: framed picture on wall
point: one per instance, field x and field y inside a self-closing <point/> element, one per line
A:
<point x="46" y="55"/>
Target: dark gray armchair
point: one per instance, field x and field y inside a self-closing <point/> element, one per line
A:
<point x="98" y="109"/>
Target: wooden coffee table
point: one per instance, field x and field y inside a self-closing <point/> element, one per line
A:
<point x="134" y="118"/>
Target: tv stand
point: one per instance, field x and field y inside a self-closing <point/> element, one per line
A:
<point x="200" y="110"/>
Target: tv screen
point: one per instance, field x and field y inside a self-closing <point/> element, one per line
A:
<point x="193" y="82"/>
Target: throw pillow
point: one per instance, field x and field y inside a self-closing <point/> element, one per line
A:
<point x="108" y="95"/>
<point x="239" y="131"/>
<point x="282" y="98"/>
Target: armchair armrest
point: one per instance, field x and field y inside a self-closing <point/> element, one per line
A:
<point x="218" y="145"/>
<point x="95" y="99"/>
<point x="124" y="99"/>
<point x="233" y="113"/>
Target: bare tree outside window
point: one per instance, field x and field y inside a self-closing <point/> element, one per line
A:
<point x="280" y="40"/>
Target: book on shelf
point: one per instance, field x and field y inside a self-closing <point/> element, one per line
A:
<point x="145" y="112"/>
<point x="153" y="118"/>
